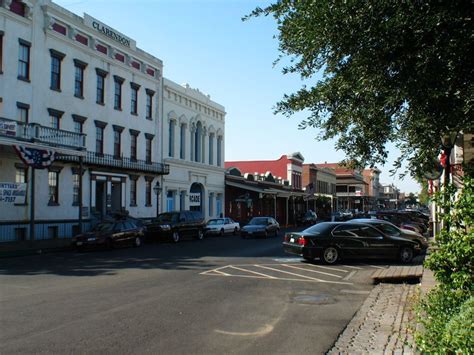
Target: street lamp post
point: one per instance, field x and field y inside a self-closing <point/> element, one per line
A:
<point x="157" y="189"/>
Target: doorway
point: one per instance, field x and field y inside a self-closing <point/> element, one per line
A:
<point x="116" y="205"/>
<point x="100" y="197"/>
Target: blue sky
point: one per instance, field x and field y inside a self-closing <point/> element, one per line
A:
<point x="205" y="43"/>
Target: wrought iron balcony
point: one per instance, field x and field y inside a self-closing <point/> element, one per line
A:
<point x="111" y="161"/>
<point x="36" y="133"/>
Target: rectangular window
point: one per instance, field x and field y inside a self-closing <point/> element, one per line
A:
<point x="22" y="113"/>
<point x="53" y="191"/>
<point x="75" y="189"/>
<point x="24" y="61"/>
<point x="148" y="151"/>
<point x="20" y="176"/>
<point x="78" y="81"/>
<point x="149" y="105"/>
<point x="117" y="143"/>
<point x="99" y="140"/>
<point x="1" y="52"/>
<point x="54" y="119"/>
<point x="117" y="95"/>
<point x="148" y="192"/>
<point x="133" y="147"/>
<point x="133" y="192"/>
<point x="100" y="89"/>
<point x="77" y="127"/>
<point x="134" y="101"/>
<point x="55" y="73"/>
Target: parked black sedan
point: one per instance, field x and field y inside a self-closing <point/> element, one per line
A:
<point x="331" y="241"/>
<point x="260" y="226"/>
<point x="110" y="235"/>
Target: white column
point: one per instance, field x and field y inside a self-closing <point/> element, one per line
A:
<point x="108" y="197"/>
<point x="205" y="142"/>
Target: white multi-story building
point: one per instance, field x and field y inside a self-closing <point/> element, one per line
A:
<point x="193" y="147"/>
<point x="82" y="89"/>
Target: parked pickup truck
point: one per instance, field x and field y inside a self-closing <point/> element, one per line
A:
<point x="176" y="225"/>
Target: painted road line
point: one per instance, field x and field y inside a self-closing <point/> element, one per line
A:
<point x="355" y="292"/>
<point x="375" y="266"/>
<point x="327" y="267"/>
<point x="253" y="272"/>
<point x="352" y="267"/>
<point x="215" y="270"/>
<point x="288" y="279"/>
<point x="316" y="271"/>
<point x="306" y="277"/>
<point x="349" y="276"/>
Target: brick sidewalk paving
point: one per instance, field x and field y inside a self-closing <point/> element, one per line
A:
<point x="380" y="325"/>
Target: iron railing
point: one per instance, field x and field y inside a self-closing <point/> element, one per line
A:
<point x="111" y="161"/>
<point x="36" y="133"/>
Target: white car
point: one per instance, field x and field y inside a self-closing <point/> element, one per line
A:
<point x="221" y="226"/>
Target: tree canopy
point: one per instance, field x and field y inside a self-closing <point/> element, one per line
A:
<point x="391" y="71"/>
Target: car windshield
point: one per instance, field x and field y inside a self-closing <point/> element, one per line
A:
<point x="258" y="221"/>
<point x="214" y="222"/>
<point x="103" y="227"/>
<point x="388" y="229"/>
<point x="167" y="218"/>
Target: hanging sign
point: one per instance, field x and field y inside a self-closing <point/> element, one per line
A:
<point x="8" y="128"/>
<point x="12" y="193"/>
<point x="195" y="199"/>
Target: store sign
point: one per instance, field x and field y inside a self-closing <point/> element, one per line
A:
<point x="194" y="199"/>
<point x="12" y="193"/>
<point x="8" y="128"/>
<point x="109" y="32"/>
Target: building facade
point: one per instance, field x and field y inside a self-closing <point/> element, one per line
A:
<point x="193" y="147"/>
<point x="372" y="179"/>
<point x="320" y="185"/>
<point x="76" y="87"/>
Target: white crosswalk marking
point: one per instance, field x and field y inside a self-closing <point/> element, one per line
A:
<point x="303" y="276"/>
<point x="352" y="267"/>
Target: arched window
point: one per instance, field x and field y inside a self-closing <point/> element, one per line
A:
<point x="198" y="142"/>
<point x="219" y="151"/>
<point x="171" y="138"/>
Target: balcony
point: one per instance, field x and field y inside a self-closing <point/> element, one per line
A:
<point x="18" y="132"/>
<point x="111" y="161"/>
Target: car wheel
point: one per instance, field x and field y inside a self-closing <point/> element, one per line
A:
<point x="406" y="255"/>
<point x="265" y="234"/>
<point x="137" y="242"/>
<point x="236" y="231"/>
<point x="330" y="255"/>
<point x="200" y="234"/>
<point x="221" y="233"/>
<point x="175" y="236"/>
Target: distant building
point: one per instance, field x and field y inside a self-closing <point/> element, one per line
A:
<point x="193" y="140"/>
<point x="320" y="183"/>
<point x="390" y="197"/>
<point x="372" y="179"/>
<point x="351" y="189"/>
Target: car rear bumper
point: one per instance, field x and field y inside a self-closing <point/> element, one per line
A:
<point x="301" y="250"/>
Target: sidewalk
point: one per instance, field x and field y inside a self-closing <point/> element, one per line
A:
<point x="14" y="249"/>
<point x="381" y="324"/>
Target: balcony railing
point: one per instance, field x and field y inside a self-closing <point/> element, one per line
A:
<point x="111" y="161"/>
<point x="36" y="133"/>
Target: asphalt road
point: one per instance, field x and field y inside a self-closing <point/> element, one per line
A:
<point x="220" y="295"/>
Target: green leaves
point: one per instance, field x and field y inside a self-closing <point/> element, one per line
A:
<point x="397" y="71"/>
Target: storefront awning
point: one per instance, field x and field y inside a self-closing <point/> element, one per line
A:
<point x="248" y="187"/>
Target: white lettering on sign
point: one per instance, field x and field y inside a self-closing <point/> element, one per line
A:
<point x="11" y="192"/>
<point x="194" y="199"/>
